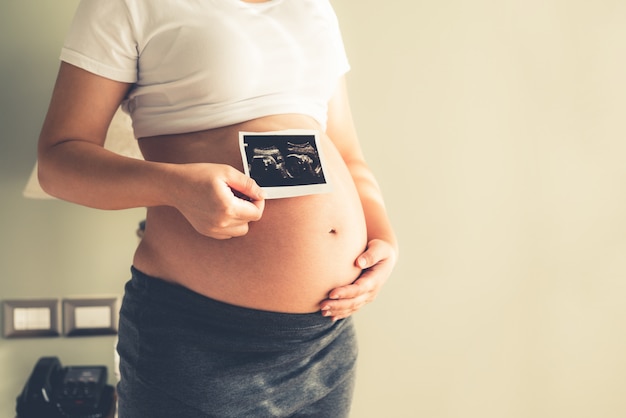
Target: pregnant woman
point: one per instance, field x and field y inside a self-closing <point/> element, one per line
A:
<point x="238" y="306"/>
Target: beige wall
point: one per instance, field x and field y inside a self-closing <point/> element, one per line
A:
<point x="48" y="248"/>
<point x="496" y="130"/>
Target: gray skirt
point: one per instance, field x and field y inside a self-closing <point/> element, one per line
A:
<point x="185" y="355"/>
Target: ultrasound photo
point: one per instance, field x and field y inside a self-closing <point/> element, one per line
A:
<point x="284" y="163"/>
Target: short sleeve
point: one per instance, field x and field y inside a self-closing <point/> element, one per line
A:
<point x="341" y="57"/>
<point x="102" y="40"/>
<point x="343" y="64"/>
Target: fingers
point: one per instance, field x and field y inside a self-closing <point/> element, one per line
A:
<point x="244" y="187"/>
<point x="232" y="219"/>
<point x="245" y="204"/>
<point x="245" y="210"/>
<point x="247" y="197"/>
<point x="351" y="298"/>
<point x="221" y="201"/>
<point x="376" y="264"/>
<point x="377" y="251"/>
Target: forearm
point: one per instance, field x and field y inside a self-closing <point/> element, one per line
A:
<point x="378" y="223"/>
<point x="376" y="217"/>
<point x="89" y="175"/>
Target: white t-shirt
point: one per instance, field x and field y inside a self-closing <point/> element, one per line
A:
<point x="202" y="64"/>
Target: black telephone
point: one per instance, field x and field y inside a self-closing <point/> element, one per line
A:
<point x="53" y="391"/>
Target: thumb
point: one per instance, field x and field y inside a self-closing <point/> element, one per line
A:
<point x="366" y="259"/>
<point x="244" y="186"/>
<point x="372" y="255"/>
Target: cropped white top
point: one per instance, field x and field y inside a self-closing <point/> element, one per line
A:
<point x="202" y="64"/>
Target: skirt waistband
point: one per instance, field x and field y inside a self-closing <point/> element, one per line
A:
<point x="148" y="291"/>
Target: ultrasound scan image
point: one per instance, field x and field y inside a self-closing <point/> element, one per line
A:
<point x="279" y="162"/>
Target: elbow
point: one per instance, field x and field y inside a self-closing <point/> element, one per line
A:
<point x="54" y="165"/>
<point x="47" y="176"/>
<point x="46" y="181"/>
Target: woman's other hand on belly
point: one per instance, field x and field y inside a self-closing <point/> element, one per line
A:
<point x="376" y="263"/>
<point x="218" y="200"/>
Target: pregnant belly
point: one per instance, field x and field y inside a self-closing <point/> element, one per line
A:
<point x="299" y="250"/>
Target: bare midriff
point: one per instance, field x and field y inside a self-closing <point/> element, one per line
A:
<point x="290" y="259"/>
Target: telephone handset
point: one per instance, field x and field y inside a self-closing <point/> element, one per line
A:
<point x="65" y="392"/>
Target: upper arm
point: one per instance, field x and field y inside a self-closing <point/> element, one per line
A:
<point x="342" y="132"/>
<point x="81" y="107"/>
<point x="340" y="126"/>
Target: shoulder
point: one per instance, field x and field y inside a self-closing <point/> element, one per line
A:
<point x="95" y="8"/>
<point x="111" y="12"/>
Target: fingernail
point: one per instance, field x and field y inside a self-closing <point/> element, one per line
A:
<point x="326" y="313"/>
<point x="325" y="307"/>
<point x="362" y="262"/>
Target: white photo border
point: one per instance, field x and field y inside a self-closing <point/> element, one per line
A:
<point x="291" y="190"/>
